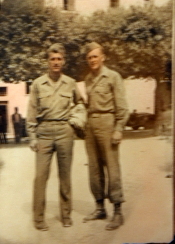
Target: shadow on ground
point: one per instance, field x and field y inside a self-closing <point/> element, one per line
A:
<point x="53" y="207"/>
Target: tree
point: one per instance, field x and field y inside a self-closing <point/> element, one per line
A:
<point x="20" y="6"/>
<point x="137" y="41"/>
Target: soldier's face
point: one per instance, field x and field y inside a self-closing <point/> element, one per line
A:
<point x="95" y="59"/>
<point x="55" y="62"/>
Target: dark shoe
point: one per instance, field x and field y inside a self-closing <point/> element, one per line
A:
<point x="116" y="221"/>
<point x="67" y="222"/>
<point x="41" y="225"/>
<point x="97" y="214"/>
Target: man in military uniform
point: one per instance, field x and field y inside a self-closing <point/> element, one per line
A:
<point x="49" y="125"/>
<point x="107" y="115"/>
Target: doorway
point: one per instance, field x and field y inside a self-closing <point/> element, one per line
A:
<point x="3" y="122"/>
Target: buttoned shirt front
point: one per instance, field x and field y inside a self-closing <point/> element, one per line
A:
<point x="106" y="94"/>
<point x="50" y="102"/>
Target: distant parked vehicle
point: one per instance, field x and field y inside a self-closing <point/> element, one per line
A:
<point x="144" y="119"/>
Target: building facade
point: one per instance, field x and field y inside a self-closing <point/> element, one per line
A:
<point x="89" y="6"/>
<point x="11" y="96"/>
<point x="140" y="96"/>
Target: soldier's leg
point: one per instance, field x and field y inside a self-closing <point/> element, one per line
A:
<point x="96" y="175"/>
<point x="64" y="146"/>
<point x="110" y="156"/>
<point x="114" y="186"/>
<point x="114" y="174"/>
<point x="43" y="160"/>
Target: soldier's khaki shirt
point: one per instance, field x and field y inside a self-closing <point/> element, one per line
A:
<point x="106" y="94"/>
<point x="51" y="102"/>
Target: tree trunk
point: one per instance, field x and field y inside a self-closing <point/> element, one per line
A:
<point x="162" y="104"/>
<point x="157" y="123"/>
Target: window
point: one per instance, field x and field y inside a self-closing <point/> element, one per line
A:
<point x="69" y="5"/>
<point x="3" y="91"/>
<point x="28" y="84"/>
<point x="115" y="3"/>
<point x="65" y="4"/>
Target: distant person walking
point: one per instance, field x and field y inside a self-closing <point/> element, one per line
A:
<point x="17" y="124"/>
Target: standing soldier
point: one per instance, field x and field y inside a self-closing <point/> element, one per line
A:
<point x="107" y="115"/>
<point x="49" y="125"/>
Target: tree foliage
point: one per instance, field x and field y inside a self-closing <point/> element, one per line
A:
<point x="20" y="6"/>
<point x="137" y="41"/>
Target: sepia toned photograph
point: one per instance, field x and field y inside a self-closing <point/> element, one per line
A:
<point x="86" y="121"/>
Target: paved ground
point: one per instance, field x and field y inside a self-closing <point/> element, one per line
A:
<point x="146" y="164"/>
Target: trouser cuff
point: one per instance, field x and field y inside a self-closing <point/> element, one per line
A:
<point x="100" y="204"/>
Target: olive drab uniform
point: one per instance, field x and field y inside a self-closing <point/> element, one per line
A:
<point x="49" y="122"/>
<point x="107" y="112"/>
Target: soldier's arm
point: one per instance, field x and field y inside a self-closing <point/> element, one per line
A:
<point x="121" y="108"/>
<point x="78" y="112"/>
<point x="31" y="117"/>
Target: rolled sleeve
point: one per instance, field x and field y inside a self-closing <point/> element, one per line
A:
<point x="121" y="107"/>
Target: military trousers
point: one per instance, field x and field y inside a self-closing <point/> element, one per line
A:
<point x="53" y="136"/>
<point x="104" y="168"/>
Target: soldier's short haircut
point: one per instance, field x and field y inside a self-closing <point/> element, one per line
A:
<point x="91" y="46"/>
<point x="56" y="48"/>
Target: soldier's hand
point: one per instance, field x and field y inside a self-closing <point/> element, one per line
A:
<point x="34" y="145"/>
<point x="75" y="124"/>
<point x="116" y="137"/>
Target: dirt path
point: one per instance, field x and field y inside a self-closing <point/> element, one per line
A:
<point x="145" y="163"/>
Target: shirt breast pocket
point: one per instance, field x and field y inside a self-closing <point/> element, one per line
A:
<point x="45" y="100"/>
<point x="66" y="99"/>
<point x="103" y="97"/>
<point x="103" y="89"/>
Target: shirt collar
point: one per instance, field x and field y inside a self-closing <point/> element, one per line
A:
<point x="45" y="79"/>
<point x="104" y="72"/>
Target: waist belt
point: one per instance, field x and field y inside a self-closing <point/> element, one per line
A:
<point x="53" y="120"/>
<point x="97" y="115"/>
